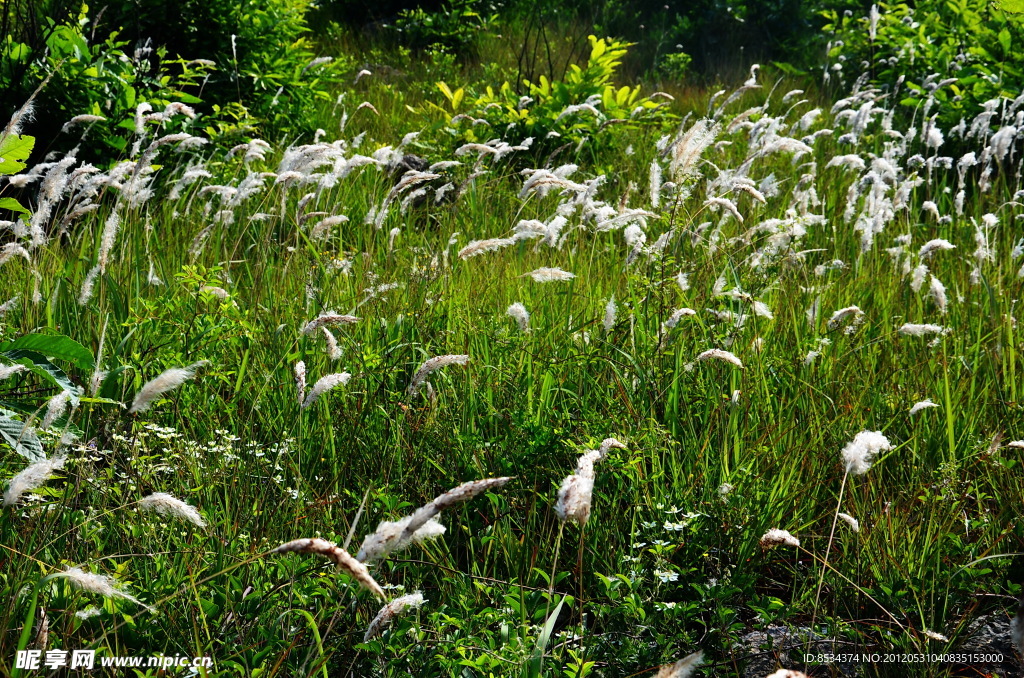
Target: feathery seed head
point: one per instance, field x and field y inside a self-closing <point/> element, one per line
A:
<point x="851" y="521"/>
<point x="719" y="354"/>
<point x="167" y="381"/>
<point x="97" y="583"/>
<point x="683" y="668"/>
<point x="545" y="275"/>
<point x="325" y="384"/>
<point x="860" y="452"/>
<point x="776" y="537"/>
<point x="522" y="317"/>
<point x="32" y="477"/>
<point x="923" y="405"/>
<point x="432" y="365"/>
<point x="338" y="556"/>
<point x="388" y="613"/>
<point x="166" y="505"/>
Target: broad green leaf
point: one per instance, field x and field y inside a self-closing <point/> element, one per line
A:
<point x="43" y="368"/>
<point x="23" y="441"/>
<point x="14" y="148"/>
<point x="53" y="346"/>
<point x="12" y="204"/>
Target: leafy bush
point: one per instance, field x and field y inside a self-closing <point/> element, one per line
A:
<point x="973" y="50"/>
<point x="103" y="80"/>
<point x="584" y="105"/>
<point x="243" y="65"/>
<point x="453" y="28"/>
<point x="264" y="58"/>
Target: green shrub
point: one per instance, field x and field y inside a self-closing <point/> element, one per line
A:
<point x="101" y="79"/>
<point x="264" y="58"/>
<point x="585" y="104"/>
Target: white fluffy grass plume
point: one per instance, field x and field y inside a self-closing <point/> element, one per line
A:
<point x="166" y="505"/>
<point x="97" y="583"/>
<point x="338" y="556"/>
<point x="859" y="453"/>
<point x="389" y="612"/>
<point x="167" y="381"/>
<point x="31" y="478"/>
<point x="923" y="405"/>
<point x="519" y="313"/>
<point x="325" y="384"/>
<point x="325" y="319"/>
<point x="719" y="354"/>
<point x="420" y="525"/>
<point x="776" y="537"/>
<point x="544" y="275"/>
<point x="576" y="493"/>
<point x="432" y="365"/>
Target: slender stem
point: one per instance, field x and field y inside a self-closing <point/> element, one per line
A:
<point x="828" y="549"/>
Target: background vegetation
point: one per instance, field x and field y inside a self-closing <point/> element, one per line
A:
<point x="247" y="167"/>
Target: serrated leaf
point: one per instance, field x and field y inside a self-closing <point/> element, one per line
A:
<point x="53" y="346"/>
<point x="23" y="441"/>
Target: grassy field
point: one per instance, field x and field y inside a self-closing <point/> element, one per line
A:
<point x="844" y="266"/>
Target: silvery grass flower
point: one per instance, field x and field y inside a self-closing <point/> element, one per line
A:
<point x="97" y="583"/>
<point x="610" y="311"/>
<point x="167" y="381"/>
<point x="683" y="668"/>
<point x="545" y="275"/>
<point x="421" y="524"/>
<point x="325" y="384"/>
<point x="851" y="521"/>
<point x="859" y="453"/>
<point x="300" y="381"/>
<point x="921" y="330"/>
<point x="842" y="314"/>
<point x="338" y="556"/>
<point x="8" y="371"/>
<point x="32" y="477"/>
<point x="432" y="365"/>
<point x="923" y="405"/>
<point x="776" y="537"/>
<point x="937" y="245"/>
<point x="387" y="614"/>
<point x="576" y="492"/>
<point x="328" y="318"/>
<point x="719" y="354"/>
<point x="519" y="313"/>
<point x="55" y="408"/>
<point x="166" y="505"/>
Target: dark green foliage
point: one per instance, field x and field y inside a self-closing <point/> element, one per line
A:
<point x="261" y="48"/>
